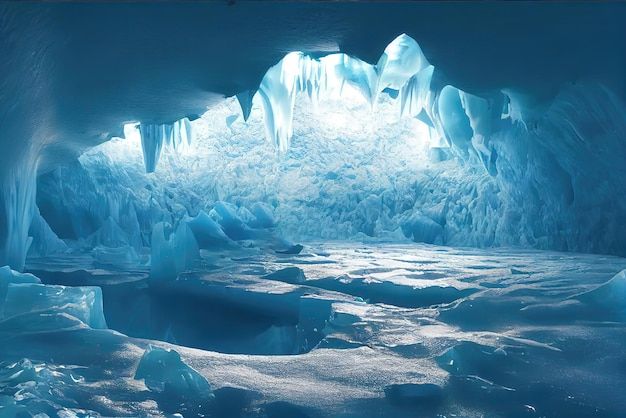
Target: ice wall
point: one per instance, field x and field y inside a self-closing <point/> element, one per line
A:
<point x="387" y="151"/>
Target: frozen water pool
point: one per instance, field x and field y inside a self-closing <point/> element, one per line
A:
<point x="341" y="329"/>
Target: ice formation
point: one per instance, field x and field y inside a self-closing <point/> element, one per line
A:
<point x="17" y="192"/>
<point x="455" y="118"/>
<point x="165" y="373"/>
<point x="154" y="137"/>
<point x="350" y="231"/>
<point x="173" y="250"/>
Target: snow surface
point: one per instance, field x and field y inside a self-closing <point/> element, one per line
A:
<point x="503" y="333"/>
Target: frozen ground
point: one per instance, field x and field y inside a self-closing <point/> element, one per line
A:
<point x="341" y="329"/>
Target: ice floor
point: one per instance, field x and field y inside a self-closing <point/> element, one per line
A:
<point x="340" y="330"/>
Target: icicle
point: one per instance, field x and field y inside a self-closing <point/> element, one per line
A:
<point x="415" y="93"/>
<point x="154" y="137"/>
<point x="245" y="101"/>
<point x="151" y="144"/>
<point x="278" y="92"/>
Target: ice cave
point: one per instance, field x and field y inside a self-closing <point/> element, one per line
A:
<point x="312" y="209"/>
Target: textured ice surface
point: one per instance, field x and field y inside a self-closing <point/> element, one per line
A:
<point x="457" y="173"/>
<point x="371" y="330"/>
<point x="178" y="387"/>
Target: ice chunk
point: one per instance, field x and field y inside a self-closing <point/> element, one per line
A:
<point x="207" y="232"/>
<point x="230" y="119"/>
<point x="292" y="249"/>
<point x="172" y="252"/>
<point x="610" y="296"/>
<point x="8" y="276"/>
<point x="263" y="216"/>
<point x="401" y="59"/>
<point x="165" y="373"/>
<point x="233" y="226"/>
<point x="83" y="303"/>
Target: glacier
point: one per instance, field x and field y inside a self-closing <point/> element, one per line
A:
<point x="312" y="209"/>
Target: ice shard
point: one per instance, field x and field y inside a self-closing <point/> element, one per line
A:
<point x="172" y="251"/>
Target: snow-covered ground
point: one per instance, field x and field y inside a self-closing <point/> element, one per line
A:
<point x="341" y="329"/>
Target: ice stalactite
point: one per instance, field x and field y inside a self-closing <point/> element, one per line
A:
<point x="245" y="101"/>
<point x="415" y="93"/>
<point x="278" y="94"/>
<point x="154" y="137"/>
<point x="298" y="72"/>
<point x="17" y="192"/>
<point x="457" y="120"/>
